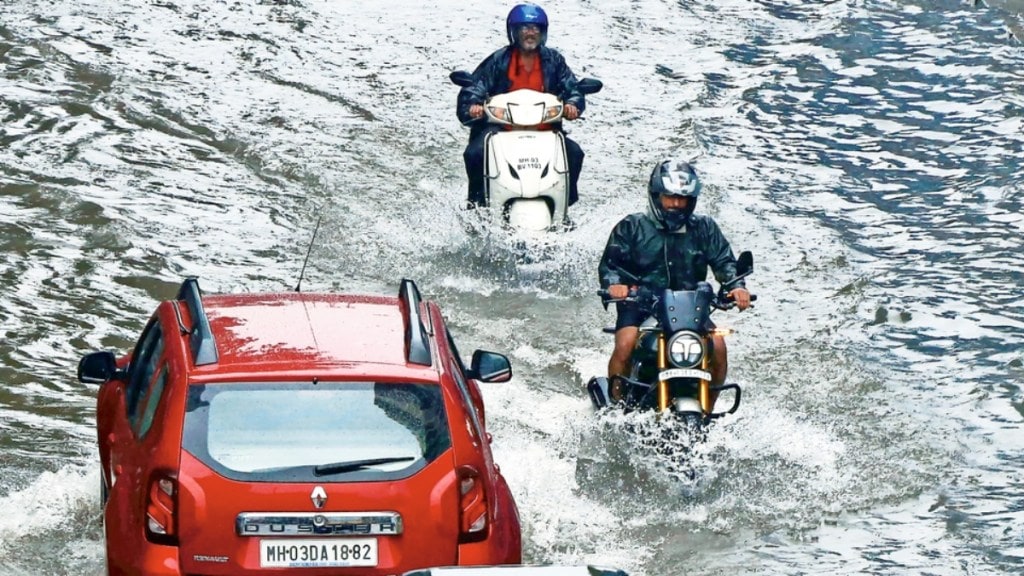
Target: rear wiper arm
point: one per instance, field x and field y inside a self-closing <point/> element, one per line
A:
<point x="340" y="467"/>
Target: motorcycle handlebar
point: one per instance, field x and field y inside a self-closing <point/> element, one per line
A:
<point x="642" y="295"/>
<point x="636" y="294"/>
<point x="723" y="302"/>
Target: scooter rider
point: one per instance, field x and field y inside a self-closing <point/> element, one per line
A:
<point x="525" y="63"/>
<point x="666" y="247"/>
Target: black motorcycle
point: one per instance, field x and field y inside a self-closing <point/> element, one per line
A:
<point x="668" y="370"/>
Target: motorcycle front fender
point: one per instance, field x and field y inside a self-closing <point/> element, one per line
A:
<point x="687" y="405"/>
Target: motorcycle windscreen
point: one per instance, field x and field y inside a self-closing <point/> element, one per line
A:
<point x="685" y="309"/>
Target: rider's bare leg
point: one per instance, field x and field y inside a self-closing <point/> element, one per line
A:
<point x="625" y="340"/>
<point x="719" y="364"/>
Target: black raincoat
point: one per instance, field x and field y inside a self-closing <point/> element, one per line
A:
<point x="641" y="253"/>
<point x="491" y="78"/>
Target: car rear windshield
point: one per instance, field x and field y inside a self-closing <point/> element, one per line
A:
<point x="316" y="432"/>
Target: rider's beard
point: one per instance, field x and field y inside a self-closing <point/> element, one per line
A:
<point x="675" y="219"/>
<point x="529" y="44"/>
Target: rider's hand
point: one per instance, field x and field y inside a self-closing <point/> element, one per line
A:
<point x="571" y="112"/>
<point x="741" y="297"/>
<point x="476" y="111"/>
<point x="617" y="291"/>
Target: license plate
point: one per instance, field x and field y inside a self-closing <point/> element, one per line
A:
<point x="684" y="373"/>
<point x="321" y="553"/>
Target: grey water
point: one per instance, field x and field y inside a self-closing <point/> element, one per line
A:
<point x="869" y="152"/>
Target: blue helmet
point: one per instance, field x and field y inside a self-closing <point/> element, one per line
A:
<point x="673" y="178"/>
<point x="528" y="13"/>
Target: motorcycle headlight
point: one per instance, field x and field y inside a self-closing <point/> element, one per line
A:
<point x="685" y="350"/>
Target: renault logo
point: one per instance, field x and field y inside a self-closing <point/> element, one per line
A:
<point x="319" y="497"/>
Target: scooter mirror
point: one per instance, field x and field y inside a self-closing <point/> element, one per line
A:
<point x="461" y="78"/>
<point x="589" y="85"/>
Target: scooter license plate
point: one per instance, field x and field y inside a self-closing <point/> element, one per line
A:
<point x="318" y="553"/>
<point x="684" y="373"/>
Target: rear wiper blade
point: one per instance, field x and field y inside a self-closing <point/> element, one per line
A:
<point x="340" y="467"/>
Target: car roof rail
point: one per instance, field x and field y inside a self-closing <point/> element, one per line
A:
<point x="204" y="349"/>
<point x="417" y="349"/>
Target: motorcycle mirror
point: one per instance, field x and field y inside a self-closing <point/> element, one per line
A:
<point x="589" y="85"/>
<point x="461" y="78"/>
<point x="745" y="263"/>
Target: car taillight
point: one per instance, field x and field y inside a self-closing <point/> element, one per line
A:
<point x="162" y="510"/>
<point x="472" y="506"/>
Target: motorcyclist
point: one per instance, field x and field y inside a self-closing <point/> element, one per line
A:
<point x="525" y="63"/>
<point x="667" y="247"/>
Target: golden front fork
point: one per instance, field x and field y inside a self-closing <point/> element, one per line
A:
<point x="705" y="387"/>
<point x="662" y="365"/>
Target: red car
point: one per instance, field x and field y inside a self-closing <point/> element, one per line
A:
<point x="298" y="433"/>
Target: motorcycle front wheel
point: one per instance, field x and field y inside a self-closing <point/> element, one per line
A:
<point x="688" y="430"/>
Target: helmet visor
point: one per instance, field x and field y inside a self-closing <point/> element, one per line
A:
<point x="529" y="34"/>
<point x="675" y="183"/>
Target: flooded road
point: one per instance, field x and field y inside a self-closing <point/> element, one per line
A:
<point x="870" y="153"/>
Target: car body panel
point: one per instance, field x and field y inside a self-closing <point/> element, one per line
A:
<point x="211" y="545"/>
<point x="290" y="329"/>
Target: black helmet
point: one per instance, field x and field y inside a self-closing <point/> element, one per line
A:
<point x="673" y="178"/>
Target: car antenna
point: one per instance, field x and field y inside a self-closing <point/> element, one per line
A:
<point x="308" y="252"/>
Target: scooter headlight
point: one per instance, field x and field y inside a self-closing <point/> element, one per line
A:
<point x="499" y="113"/>
<point x="685" y="350"/>
<point x="552" y="112"/>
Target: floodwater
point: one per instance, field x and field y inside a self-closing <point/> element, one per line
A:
<point x="870" y="153"/>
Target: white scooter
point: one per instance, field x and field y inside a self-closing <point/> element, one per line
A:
<point x="526" y="170"/>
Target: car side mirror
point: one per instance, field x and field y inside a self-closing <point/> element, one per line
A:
<point x="490" y="367"/>
<point x="589" y="85"/>
<point x="97" y="368"/>
<point x="461" y="78"/>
